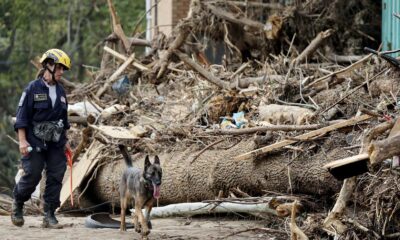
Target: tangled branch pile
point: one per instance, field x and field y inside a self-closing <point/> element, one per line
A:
<point x="250" y="100"/>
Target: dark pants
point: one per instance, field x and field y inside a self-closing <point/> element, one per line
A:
<point x="53" y="160"/>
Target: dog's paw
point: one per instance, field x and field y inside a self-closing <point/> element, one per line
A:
<point x="145" y="232"/>
<point x="122" y="229"/>
<point x="138" y="229"/>
<point x="149" y="225"/>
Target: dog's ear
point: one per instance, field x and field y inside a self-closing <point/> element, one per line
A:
<point x="147" y="162"/>
<point x="156" y="160"/>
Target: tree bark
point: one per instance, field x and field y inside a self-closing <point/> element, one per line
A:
<point x="216" y="170"/>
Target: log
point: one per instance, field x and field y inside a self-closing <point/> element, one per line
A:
<point x="332" y="224"/>
<point x="196" y="208"/>
<point x="117" y="28"/>
<point x="216" y="170"/>
<point x="384" y="149"/>
<point x="206" y="74"/>
<point x="234" y="18"/>
<point x="283" y="114"/>
<point x="315" y="43"/>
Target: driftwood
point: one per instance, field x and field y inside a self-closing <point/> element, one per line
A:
<point x="315" y="43"/>
<point x="117" y="28"/>
<point x="332" y="224"/>
<point x="196" y="208"/>
<point x="234" y="18"/>
<point x="296" y="232"/>
<point x="349" y="122"/>
<point x="183" y="32"/>
<point x="206" y="74"/>
<point x="384" y="149"/>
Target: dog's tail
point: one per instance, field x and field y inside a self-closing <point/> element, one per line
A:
<point x="127" y="157"/>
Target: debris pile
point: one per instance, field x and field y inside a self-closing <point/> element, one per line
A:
<point x="291" y="92"/>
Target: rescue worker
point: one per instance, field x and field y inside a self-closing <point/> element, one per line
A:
<point x="41" y="123"/>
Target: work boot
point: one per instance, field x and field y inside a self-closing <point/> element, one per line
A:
<point x="49" y="219"/>
<point x="17" y="215"/>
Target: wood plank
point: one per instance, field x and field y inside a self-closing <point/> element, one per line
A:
<point x="347" y="160"/>
<point x="305" y="136"/>
<point x="80" y="170"/>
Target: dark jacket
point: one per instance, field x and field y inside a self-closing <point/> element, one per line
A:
<point x="35" y="106"/>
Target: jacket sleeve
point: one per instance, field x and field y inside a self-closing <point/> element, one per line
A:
<point x="23" y="111"/>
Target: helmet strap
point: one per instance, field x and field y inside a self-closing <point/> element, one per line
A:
<point x="52" y="72"/>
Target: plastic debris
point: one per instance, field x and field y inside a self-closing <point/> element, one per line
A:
<point x="227" y="124"/>
<point x="239" y="119"/>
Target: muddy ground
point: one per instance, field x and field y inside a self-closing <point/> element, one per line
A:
<point x="172" y="228"/>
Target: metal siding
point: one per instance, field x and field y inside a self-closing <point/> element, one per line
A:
<point x="390" y="25"/>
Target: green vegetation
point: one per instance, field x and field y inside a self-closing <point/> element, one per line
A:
<point x="28" y="28"/>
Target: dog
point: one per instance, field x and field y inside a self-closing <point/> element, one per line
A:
<point x="141" y="185"/>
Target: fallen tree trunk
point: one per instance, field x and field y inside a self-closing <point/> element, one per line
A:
<point x="216" y="170"/>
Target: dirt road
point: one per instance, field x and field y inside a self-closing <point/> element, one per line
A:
<point x="173" y="228"/>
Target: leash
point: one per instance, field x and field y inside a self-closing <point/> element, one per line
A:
<point x="68" y="154"/>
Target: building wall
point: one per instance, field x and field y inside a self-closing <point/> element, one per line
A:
<point x="180" y="10"/>
<point x="164" y="16"/>
<point x="168" y="14"/>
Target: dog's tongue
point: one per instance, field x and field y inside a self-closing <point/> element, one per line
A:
<point x="156" y="191"/>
